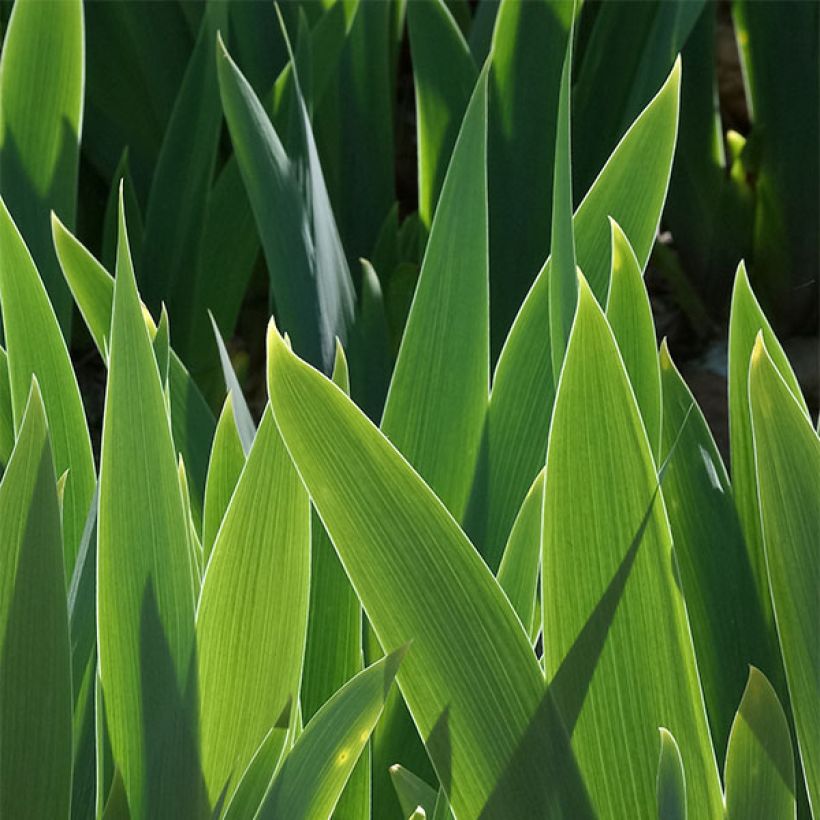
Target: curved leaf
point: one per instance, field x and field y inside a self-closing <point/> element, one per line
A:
<point x="518" y="571"/>
<point x="472" y="682"/>
<point x="315" y="772"/>
<point x="36" y="347"/>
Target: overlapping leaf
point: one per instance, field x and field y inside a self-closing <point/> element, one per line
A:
<point x="618" y="653"/>
<point x="145" y="604"/>
<point x="35" y="659"/>
<point x="787" y="462"/>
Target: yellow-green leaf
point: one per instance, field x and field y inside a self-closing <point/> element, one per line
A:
<point x="471" y="681"/>
<point x="630" y="316"/>
<point x="787" y="462"/>
<point x="617" y="651"/>
<point x="252" y="615"/>
<point x="316" y="770"/>
<point x="145" y="604"/>
<point x="36" y="346"/>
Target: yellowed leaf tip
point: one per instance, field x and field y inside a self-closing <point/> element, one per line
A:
<point x="759" y="349"/>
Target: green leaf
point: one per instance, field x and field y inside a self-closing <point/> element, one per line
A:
<point x="472" y="682"/>
<point x="370" y="355"/>
<point x="725" y="614"/>
<point x="443" y="78"/>
<point x="310" y="281"/>
<point x="518" y="571"/>
<point x="333" y="652"/>
<point x="242" y="415"/>
<point x="224" y="468"/>
<point x="437" y="400"/>
<point x="253" y="786"/>
<point x="773" y="50"/>
<point x="229" y="242"/>
<point x="435" y="408"/>
<point x="6" y="413"/>
<point x="759" y="771"/>
<point x="671" y="785"/>
<point x="630" y="316"/>
<point x="145" y="604"/>
<point x="787" y="460"/>
<point x="35" y="661"/>
<point x="133" y="214"/>
<point x="36" y="347"/>
<point x="123" y="43"/>
<point x="624" y="629"/>
<point x="631" y="187"/>
<point x="41" y="112"/>
<point x="178" y="202"/>
<point x="254" y="595"/>
<point x="628" y="53"/>
<point x="529" y="43"/>
<point x="563" y="284"/>
<point x="191" y="419"/>
<point x="355" y="123"/>
<point x="746" y="320"/>
<point x="315" y="772"/>
<point x="412" y="791"/>
<point x="162" y="347"/>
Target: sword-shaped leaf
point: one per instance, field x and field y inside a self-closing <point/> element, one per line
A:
<point x="728" y="628"/>
<point x="787" y="462"/>
<point x="471" y="681"/>
<point x="630" y="316"/>
<point x="617" y="648"/>
<point x="191" y="419"/>
<point x="310" y="280"/>
<point x="224" y="468"/>
<point x="631" y="188"/>
<point x="36" y="346"/>
<point x="745" y="322"/>
<point x="252" y="615"/>
<point x="437" y="400"/>
<point x="35" y="659"/>
<point x="317" y="769"/>
<point x="145" y="604"/>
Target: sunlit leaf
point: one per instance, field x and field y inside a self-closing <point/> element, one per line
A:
<point x="618" y="652"/>
<point x="787" y="462"/>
